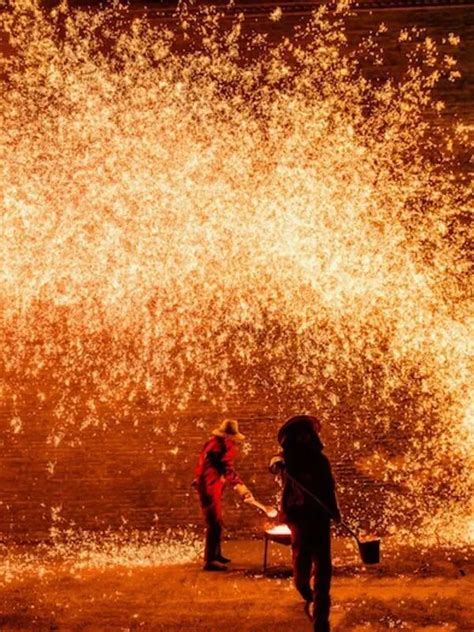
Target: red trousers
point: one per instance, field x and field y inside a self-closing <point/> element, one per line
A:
<point x="210" y="497"/>
<point x="311" y="547"/>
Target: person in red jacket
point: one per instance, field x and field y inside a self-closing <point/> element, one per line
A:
<point x="301" y="461"/>
<point x="215" y="469"/>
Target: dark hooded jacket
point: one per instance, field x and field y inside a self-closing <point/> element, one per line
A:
<point x="302" y="458"/>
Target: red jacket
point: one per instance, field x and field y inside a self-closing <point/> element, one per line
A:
<point x="216" y="462"/>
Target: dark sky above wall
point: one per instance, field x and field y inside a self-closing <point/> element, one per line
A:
<point x="438" y="17"/>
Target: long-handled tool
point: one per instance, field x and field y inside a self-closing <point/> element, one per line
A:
<point x="271" y="512"/>
<point x="369" y="551"/>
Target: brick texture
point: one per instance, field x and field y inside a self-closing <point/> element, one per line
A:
<point x="139" y="477"/>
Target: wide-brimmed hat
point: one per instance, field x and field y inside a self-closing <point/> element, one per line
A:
<point x="297" y="422"/>
<point x="229" y="428"/>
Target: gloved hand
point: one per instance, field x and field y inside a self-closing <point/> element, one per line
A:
<point x="244" y="492"/>
<point x="277" y="465"/>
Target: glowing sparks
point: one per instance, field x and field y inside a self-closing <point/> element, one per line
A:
<point x="275" y="15"/>
<point x="182" y="226"/>
<point x="74" y="553"/>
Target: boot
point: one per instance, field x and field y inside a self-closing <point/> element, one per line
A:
<point x="214" y="566"/>
<point x="223" y="560"/>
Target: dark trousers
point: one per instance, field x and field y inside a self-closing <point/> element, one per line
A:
<point x="311" y="547"/>
<point x="212" y="549"/>
<point x="211" y="504"/>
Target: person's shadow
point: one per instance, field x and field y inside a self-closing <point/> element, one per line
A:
<point x="275" y="572"/>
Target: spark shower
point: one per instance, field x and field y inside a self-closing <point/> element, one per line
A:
<point x="199" y="214"/>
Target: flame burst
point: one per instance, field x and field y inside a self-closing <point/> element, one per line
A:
<point x="198" y="215"/>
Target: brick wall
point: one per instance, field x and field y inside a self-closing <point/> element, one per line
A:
<point x="139" y="476"/>
<point x="131" y="476"/>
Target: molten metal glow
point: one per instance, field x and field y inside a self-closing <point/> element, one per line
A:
<point x="234" y="220"/>
<point x="279" y="529"/>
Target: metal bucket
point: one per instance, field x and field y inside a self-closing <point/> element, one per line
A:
<point x="369" y="551"/>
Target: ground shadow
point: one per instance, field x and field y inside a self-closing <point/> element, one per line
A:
<point x="274" y="572"/>
<point x="404" y="614"/>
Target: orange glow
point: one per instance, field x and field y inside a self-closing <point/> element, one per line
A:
<point x="279" y="529"/>
<point x="209" y="225"/>
<point x="75" y="554"/>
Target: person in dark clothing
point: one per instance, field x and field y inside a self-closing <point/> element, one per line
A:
<point x="301" y="461"/>
<point x="215" y="469"/>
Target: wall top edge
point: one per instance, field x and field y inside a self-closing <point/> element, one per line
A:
<point x="167" y="8"/>
<point x="298" y="7"/>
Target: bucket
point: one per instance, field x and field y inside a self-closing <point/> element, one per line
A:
<point x="369" y="551"/>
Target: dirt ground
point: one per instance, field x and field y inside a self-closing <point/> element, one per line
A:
<point x="411" y="591"/>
